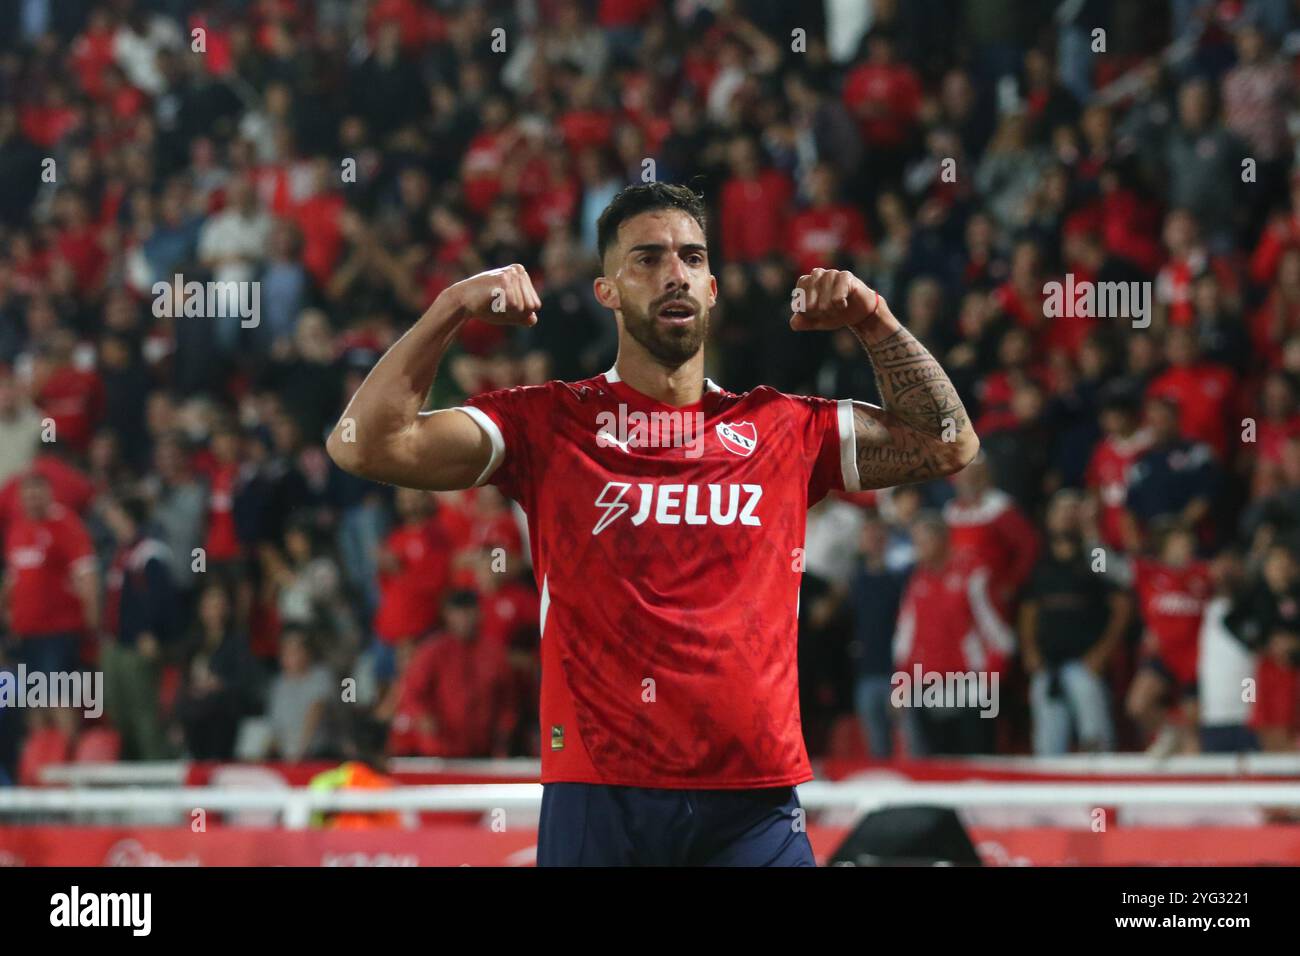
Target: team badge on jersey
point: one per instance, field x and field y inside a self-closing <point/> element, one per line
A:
<point x="740" y="438"/>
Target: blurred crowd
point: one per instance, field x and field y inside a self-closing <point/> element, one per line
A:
<point x="1122" y="556"/>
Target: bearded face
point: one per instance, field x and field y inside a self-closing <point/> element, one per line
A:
<point x="658" y="280"/>
<point x="671" y="328"/>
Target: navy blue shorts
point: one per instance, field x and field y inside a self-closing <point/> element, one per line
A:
<point x="584" y="824"/>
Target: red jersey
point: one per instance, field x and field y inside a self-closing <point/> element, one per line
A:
<point x="462" y="687"/>
<point x="68" y="486"/>
<point x="319" y="220"/>
<point x="893" y="86"/>
<point x="666" y="562"/>
<point x="818" y="235"/>
<point x="74" y="398"/>
<point x="1206" y="396"/>
<point x="222" y="541"/>
<point x="948" y="623"/>
<point x="410" y="597"/>
<point x="1172" y="601"/>
<point x="1108" y="475"/>
<point x="754" y="215"/>
<point x="993" y="532"/>
<point x="509" y="614"/>
<point x="42" y="557"/>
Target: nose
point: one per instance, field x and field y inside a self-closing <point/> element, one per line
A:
<point x="678" y="277"/>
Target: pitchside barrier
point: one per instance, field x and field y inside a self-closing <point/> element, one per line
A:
<point x="1117" y="809"/>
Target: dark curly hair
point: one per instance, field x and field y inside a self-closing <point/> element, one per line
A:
<point x="634" y="200"/>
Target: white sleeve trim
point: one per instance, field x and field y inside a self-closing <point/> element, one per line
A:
<point x="494" y="436"/>
<point x="848" y="446"/>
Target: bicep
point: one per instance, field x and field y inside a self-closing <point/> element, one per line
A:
<point x="889" y="452"/>
<point x="443" y="450"/>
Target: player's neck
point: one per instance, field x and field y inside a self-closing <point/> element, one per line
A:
<point x="679" y="386"/>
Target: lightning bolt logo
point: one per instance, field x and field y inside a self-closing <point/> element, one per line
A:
<point x="615" y="508"/>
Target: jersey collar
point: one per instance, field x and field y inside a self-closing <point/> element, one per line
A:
<point x="612" y="376"/>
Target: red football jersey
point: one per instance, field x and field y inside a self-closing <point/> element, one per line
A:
<point x="667" y="555"/>
<point x="42" y="556"/>
<point x="410" y="595"/>
<point x="1172" y="601"/>
<point x="1108" y="475"/>
<point x="948" y="621"/>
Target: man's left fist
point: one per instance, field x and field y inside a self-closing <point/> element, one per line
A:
<point x="831" y="299"/>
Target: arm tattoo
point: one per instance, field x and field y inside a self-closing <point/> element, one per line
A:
<point x="915" y="388"/>
<point x="904" y="441"/>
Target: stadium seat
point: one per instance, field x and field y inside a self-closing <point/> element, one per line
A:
<point x="98" y="745"/>
<point x="43" y="747"/>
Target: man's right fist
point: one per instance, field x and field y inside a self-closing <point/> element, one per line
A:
<point x="501" y="296"/>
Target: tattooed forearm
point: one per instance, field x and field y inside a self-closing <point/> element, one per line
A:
<point x="886" y="457"/>
<point x="922" y="431"/>
<point x="915" y="387"/>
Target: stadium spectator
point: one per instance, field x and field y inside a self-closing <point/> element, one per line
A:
<point x="307" y="583"/>
<point x="876" y="592"/>
<point x="1268" y="620"/>
<point x="1172" y="590"/>
<point x="1205" y="393"/>
<point x="755" y="201"/>
<point x="140" y="620"/>
<point x="298" y="701"/>
<point x="178" y="502"/>
<point x="218" y="683"/>
<point x="1204" y="163"/>
<point x="1226" y="665"/>
<point x="1175" y="478"/>
<point x="20" y="428"/>
<point x="988" y="528"/>
<point x="1071" y="623"/>
<point x="51" y="584"/>
<point x="1110" y="470"/>
<point x="884" y="95"/>
<point x="72" y="397"/>
<point x="948" y="624"/>
<point x="414" y="572"/>
<point x="828" y="230"/>
<point x="452" y="696"/>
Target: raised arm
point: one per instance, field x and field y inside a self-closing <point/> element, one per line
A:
<point x="383" y="435"/>
<point x="922" y="431"/>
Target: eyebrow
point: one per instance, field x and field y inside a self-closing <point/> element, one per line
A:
<point x="660" y="247"/>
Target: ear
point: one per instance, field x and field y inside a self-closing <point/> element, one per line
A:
<point x="606" y="293"/>
<point x="713" y="290"/>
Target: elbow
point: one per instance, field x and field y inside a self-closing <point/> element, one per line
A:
<point x="961" y="452"/>
<point x="344" y="453"/>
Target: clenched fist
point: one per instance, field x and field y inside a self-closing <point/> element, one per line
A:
<point x="501" y="296"/>
<point x="831" y="299"/>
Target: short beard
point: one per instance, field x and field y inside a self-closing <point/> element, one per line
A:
<point x="670" y="346"/>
